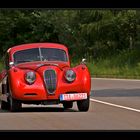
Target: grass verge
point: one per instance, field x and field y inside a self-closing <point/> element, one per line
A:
<point x="105" y="69"/>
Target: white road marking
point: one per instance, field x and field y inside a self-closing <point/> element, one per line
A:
<point x="116" y="79"/>
<point x="119" y="106"/>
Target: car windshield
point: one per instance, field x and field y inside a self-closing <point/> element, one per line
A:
<point x="40" y="54"/>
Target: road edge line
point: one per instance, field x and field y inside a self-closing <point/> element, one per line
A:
<point x="119" y="106"/>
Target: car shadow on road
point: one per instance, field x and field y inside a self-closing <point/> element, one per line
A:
<point x="46" y="109"/>
<point x="40" y="109"/>
<point x="116" y="93"/>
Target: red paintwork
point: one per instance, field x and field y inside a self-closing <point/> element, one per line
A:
<point x="19" y="87"/>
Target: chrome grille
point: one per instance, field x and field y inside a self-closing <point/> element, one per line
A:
<point x="50" y="81"/>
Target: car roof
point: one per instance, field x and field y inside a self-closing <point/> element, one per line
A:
<point x="36" y="45"/>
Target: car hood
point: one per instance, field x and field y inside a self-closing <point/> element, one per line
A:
<point x="37" y="65"/>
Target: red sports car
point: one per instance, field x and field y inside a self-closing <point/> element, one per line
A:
<point x="40" y="73"/>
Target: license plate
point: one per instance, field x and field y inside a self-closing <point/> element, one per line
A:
<point x="73" y="96"/>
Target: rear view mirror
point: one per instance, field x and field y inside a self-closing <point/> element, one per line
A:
<point x="84" y="61"/>
<point x="11" y="64"/>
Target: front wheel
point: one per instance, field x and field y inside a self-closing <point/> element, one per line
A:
<point x="83" y="105"/>
<point x="15" y="105"/>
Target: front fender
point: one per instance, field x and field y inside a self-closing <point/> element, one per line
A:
<point x="83" y="75"/>
<point x="19" y="87"/>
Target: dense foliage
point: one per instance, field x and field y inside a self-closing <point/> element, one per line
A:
<point x="92" y="33"/>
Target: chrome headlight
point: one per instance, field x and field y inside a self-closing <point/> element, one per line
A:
<point x="30" y="77"/>
<point x="70" y="75"/>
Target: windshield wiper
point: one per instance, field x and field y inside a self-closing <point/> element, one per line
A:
<point x="22" y="61"/>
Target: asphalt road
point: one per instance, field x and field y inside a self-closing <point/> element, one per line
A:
<point x="115" y="105"/>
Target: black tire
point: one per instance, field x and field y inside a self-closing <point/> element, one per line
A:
<point x="67" y="104"/>
<point x="5" y="105"/>
<point x="83" y="105"/>
<point x="15" y="105"/>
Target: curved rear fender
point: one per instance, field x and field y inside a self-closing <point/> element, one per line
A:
<point x="3" y="80"/>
